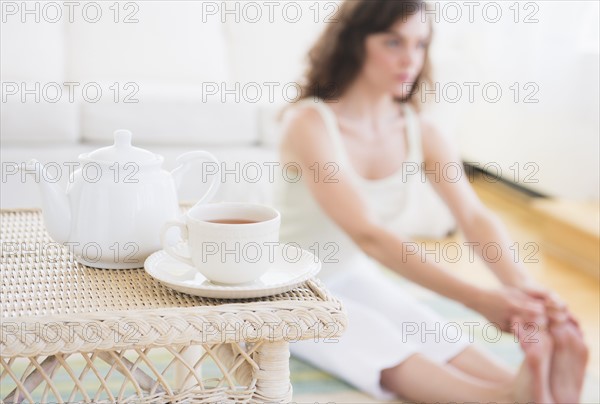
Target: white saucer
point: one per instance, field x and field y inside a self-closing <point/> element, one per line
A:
<point x="283" y="275"/>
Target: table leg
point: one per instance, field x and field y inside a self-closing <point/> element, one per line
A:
<point x="273" y="379"/>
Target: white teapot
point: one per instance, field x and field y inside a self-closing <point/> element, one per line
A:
<point x="116" y="203"/>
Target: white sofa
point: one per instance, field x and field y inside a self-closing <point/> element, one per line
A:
<point x="58" y="133"/>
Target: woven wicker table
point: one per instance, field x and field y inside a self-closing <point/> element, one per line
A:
<point x="74" y="333"/>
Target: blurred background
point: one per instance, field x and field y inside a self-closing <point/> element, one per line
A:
<point x="516" y="86"/>
<point x="542" y="56"/>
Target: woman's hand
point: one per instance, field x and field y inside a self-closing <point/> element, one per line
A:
<point x="556" y="308"/>
<point x="502" y="306"/>
<point x="550" y="299"/>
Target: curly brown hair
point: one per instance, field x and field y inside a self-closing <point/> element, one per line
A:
<point x="338" y="56"/>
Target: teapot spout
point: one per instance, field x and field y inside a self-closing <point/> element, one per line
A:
<point x="55" y="205"/>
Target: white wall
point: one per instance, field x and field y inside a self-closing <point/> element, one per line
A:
<point x="35" y="50"/>
<point x="168" y="44"/>
<point x="181" y="45"/>
<point x="554" y="141"/>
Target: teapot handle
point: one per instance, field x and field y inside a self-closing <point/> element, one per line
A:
<point x="207" y="157"/>
<point x="171" y="250"/>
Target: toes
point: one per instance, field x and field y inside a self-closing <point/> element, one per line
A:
<point x="579" y="346"/>
<point x="573" y="321"/>
<point x="558" y="316"/>
<point x="568" y="337"/>
<point x="560" y="335"/>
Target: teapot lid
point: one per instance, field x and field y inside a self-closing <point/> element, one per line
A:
<point x="121" y="151"/>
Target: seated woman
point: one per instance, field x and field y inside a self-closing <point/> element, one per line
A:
<point x="356" y="128"/>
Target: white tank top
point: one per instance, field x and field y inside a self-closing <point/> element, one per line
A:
<point x="303" y="221"/>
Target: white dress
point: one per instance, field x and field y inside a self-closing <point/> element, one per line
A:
<point x="379" y="311"/>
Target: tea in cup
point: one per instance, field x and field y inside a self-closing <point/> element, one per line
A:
<point x="229" y="243"/>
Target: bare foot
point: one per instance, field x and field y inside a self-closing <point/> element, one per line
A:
<point x="533" y="381"/>
<point x="568" y="361"/>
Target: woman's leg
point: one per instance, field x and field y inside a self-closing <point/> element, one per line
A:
<point x="477" y="363"/>
<point x="420" y="379"/>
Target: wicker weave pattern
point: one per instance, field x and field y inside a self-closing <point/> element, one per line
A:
<point x="54" y="309"/>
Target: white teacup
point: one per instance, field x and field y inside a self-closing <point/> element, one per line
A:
<point x="229" y="243"/>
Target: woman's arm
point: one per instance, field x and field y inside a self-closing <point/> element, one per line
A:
<point x="479" y="225"/>
<point x="307" y="142"/>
